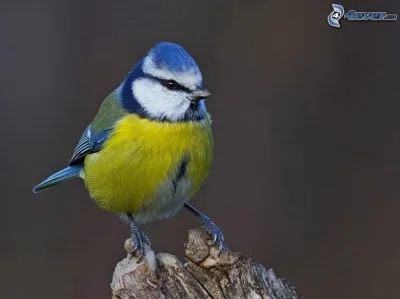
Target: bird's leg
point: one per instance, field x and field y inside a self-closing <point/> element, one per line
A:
<point x="139" y="238"/>
<point x="210" y="227"/>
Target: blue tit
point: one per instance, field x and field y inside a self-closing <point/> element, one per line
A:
<point x="150" y="147"/>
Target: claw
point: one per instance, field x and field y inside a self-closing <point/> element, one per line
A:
<point x="214" y="240"/>
<point x="139" y="238"/>
<point x="133" y="250"/>
<point x="220" y="248"/>
<point x="210" y="228"/>
<point x="139" y="250"/>
<point x="215" y="232"/>
<point x="141" y="256"/>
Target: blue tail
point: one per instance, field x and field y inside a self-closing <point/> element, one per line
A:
<point x="65" y="174"/>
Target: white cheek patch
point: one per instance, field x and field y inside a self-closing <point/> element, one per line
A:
<point x="158" y="101"/>
<point x="187" y="78"/>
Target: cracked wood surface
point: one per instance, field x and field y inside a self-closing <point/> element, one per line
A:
<point x="205" y="275"/>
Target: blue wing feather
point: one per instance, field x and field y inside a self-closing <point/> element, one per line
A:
<point x="64" y="174"/>
<point x="92" y="141"/>
<point x="82" y="148"/>
<point x="88" y="144"/>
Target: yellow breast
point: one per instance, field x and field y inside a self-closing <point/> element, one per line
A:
<point x="141" y="156"/>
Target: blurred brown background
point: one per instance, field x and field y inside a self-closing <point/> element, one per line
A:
<point x="307" y="167"/>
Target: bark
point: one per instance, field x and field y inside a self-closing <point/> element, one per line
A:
<point x="204" y="275"/>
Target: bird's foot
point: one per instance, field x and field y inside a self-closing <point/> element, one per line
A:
<point x="140" y="240"/>
<point x="216" y="234"/>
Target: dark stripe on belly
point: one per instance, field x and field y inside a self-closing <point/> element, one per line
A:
<point x="180" y="173"/>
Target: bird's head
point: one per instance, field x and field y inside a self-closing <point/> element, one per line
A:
<point x="165" y="85"/>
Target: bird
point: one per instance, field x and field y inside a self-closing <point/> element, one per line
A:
<point x="149" y="149"/>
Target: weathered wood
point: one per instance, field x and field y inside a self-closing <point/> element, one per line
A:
<point x="205" y="275"/>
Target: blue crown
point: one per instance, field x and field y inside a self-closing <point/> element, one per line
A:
<point x="173" y="57"/>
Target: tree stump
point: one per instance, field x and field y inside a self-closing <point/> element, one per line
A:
<point x="204" y="275"/>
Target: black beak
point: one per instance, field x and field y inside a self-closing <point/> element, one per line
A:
<point x="199" y="94"/>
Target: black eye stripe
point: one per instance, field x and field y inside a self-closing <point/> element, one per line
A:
<point x="178" y="87"/>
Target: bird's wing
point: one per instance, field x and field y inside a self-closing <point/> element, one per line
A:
<point x="88" y="144"/>
<point x="98" y="131"/>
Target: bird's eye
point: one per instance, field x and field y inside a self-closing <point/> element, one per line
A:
<point x="172" y="85"/>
